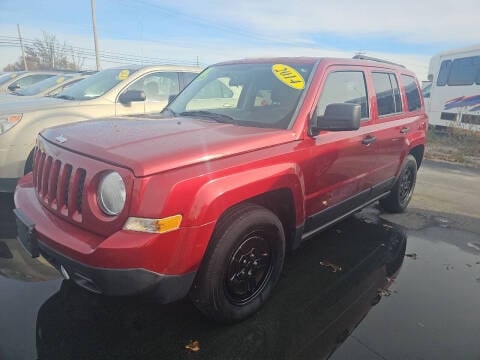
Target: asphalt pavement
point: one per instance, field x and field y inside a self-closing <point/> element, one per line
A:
<point x="375" y="286"/>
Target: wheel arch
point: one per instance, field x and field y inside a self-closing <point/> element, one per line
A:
<point x="266" y="186"/>
<point x="281" y="203"/>
<point x="417" y="152"/>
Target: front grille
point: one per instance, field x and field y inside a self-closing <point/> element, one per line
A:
<point x="59" y="186"/>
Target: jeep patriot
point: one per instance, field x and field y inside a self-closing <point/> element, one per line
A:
<point x="204" y="199"/>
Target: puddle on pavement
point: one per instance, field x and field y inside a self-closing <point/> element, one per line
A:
<point x="434" y="314"/>
<point x="341" y="293"/>
<point x="312" y="311"/>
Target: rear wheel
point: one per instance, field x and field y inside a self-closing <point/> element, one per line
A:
<point x="242" y="264"/>
<point x="398" y="199"/>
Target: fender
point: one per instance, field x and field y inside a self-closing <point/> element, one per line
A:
<point x="417" y="139"/>
<point x="414" y="139"/>
<point x="217" y="195"/>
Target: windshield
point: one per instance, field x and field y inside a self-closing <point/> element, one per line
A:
<point x="96" y="85"/>
<point x="43" y="85"/>
<point x="259" y="95"/>
<point x="6" y="77"/>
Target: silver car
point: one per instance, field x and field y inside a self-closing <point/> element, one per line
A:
<point x="113" y="92"/>
<point x="48" y="87"/>
<point x="20" y="79"/>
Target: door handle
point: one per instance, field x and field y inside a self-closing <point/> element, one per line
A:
<point x="404" y="130"/>
<point x="369" y="140"/>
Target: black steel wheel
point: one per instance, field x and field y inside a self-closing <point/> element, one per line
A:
<point x="242" y="264"/>
<point x="250" y="268"/>
<point x="402" y="191"/>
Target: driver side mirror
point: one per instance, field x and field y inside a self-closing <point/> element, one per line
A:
<point x="130" y="96"/>
<point x="339" y="117"/>
<point x="13" y="87"/>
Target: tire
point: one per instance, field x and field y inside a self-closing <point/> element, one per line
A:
<point x="242" y="264"/>
<point x="402" y="191"/>
<point x="28" y="164"/>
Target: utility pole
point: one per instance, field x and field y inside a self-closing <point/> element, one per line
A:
<point x="94" y="22"/>
<point x="23" y="50"/>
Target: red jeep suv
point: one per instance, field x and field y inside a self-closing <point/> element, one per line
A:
<point x="253" y="157"/>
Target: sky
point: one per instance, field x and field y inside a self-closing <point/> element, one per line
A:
<point x="190" y="31"/>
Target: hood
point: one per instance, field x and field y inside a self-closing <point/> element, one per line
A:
<point x="158" y="144"/>
<point x="16" y="98"/>
<point x="20" y="104"/>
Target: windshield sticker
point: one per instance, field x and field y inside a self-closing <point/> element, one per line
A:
<point x="289" y="76"/>
<point x="60" y="80"/>
<point x="122" y="75"/>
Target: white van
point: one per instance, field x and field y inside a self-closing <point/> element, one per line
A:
<point x="455" y="89"/>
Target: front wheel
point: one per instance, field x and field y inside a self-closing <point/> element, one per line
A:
<point x="401" y="193"/>
<point x="242" y="264"/>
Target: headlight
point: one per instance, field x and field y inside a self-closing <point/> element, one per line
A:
<point x="111" y="194"/>
<point x="9" y="121"/>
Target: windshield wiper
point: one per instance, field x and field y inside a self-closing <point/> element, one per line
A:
<point x="210" y="115"/>
<point x="65" y="97"/>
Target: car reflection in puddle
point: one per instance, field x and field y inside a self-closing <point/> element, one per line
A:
<point x="328" y="286"/>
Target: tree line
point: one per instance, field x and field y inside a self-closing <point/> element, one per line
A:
<point x="48" y="53"/>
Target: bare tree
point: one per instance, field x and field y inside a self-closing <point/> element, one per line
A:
<point x="48" y="54"/>
<point x="77" y="60"/>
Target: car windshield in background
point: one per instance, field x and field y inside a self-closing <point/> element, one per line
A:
<point x="258" y="95"/>
<point x="96" y="85"/>
<point x="43" y="85"/>
<point x="6" y="77"/>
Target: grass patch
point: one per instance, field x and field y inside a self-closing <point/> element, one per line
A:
<point x="454" y="145"/>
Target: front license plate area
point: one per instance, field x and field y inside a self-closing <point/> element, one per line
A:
<point x="26" y="233"/>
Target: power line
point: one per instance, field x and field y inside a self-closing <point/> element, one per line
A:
<point x="89" y="52"/>
<point x="111" y="56"/>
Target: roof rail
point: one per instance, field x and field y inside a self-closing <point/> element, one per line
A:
<point x="364" y="57"/>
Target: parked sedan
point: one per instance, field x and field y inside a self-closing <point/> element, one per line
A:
<point x="113" y="92"/>
<point x="20" y="79"/>
<point x="48" y="87"/>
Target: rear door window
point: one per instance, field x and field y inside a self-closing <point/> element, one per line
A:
<point x="387" y="93"/>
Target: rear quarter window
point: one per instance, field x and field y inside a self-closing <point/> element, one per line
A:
<point x="412" y="93"/>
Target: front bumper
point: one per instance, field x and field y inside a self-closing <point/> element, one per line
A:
<point x="167" y="288"/>
<point x="124" y="263"/>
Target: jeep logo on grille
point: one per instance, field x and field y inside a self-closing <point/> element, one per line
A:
<point x="61" y="139"/>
